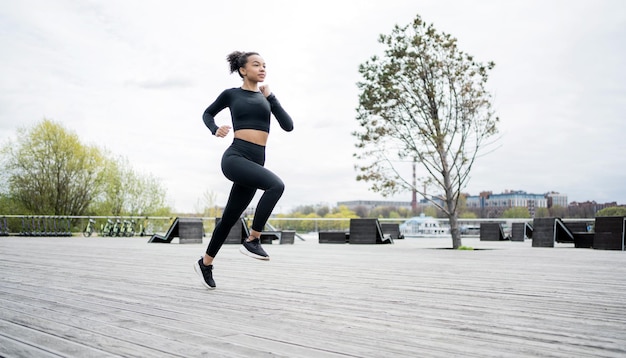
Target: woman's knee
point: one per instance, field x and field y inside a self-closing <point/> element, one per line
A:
<point x="278" y="186"/>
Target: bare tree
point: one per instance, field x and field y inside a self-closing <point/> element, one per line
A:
<point x="425" y="101"/>
<point x="207" y="205"/>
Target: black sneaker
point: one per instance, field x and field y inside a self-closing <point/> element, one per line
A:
<point x="206" y="273"/>
<point x="253" y="249"/>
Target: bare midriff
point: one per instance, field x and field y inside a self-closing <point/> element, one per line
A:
<point x="252" y="135"/>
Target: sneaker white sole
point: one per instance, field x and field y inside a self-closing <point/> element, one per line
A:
<point x="252" y="254"/>
<point x="196" y="267"/>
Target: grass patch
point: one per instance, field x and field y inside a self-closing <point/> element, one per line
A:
<point x="465" y="248"/>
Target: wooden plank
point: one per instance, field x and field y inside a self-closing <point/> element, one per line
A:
<point x="122" y="296"/>
<point x="12" y="346"/>
<point x="26" y="341"/>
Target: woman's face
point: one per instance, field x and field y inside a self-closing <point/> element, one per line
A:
<point x="254" y="69"/>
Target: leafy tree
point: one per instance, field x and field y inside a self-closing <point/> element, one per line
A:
<point x="405" y="212"/>
<point x="517" y="212"/>
<point x="147" y="196"/>
<point x="8" y="205"/>
<point x="612" y="211"/>
<point x="305" y="209"/>
<point x="300" y="225"/>
<point x="311" y="225"/>
<point x="430" y="211"/>
<point x="362" y="211"/>
<point x="128" y="193"/>
<point x="50" y="172"/>
<point x="381" y="212"/>
<point x="462" y="205"/>
<point x="542" y="213"/>
<point x="468" y="215"/>
<point x="424" y="100"/>
<point x="109" y="201"/>
<point x="342" y="211"/>
<point x="558" y="211"/>
<point x="323" y="211"/>
<point x="143" y="194"/>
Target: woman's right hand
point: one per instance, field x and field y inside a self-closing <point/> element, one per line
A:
<point x="222" y="131"/>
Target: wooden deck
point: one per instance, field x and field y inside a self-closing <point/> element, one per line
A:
<point x="107" y="297"/>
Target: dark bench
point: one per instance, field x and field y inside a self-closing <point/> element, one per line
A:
<point x="367" y="231"/>
<point x="521" y="231"/>
<point x="188" y="230"/>
<point x="609" y="233"/>
<point x="287" y="237"/>
<point x="543" y="232"/>
<point x="492" y="232"/>
<point x="583" y="239"/>
<point x="576" y="226"/>
<point x="548" y="231"/>
<point x="333" y="237"/>
<point x="283" y="237"/>
<point x="4" y="227"/>
<point x="581" y="236"/>
<point x="240" y="232"/>
<point x="562" y="233"/>
<point x="237" y="233"/>
<point x="392" y="230"/>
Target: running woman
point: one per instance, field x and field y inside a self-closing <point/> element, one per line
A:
<point x="243" y="162"/>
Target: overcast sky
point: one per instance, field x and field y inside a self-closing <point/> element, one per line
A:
<point x="134" y="77"/>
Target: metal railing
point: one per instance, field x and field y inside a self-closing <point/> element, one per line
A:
<point x="54" y="225"/>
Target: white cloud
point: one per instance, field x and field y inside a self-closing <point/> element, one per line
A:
<point x="135" y="77"/>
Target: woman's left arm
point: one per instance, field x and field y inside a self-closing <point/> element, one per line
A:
<point x="284" y="119"/>
<point x="281" y="115"/>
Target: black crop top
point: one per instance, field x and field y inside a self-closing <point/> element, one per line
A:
<point x="248" y="110"/>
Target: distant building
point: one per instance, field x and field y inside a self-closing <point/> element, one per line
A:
<point x="587" y="209"/>
<point x="372" y="204"/>
<point x="490" y="205"/>
<point x="485" y="205"/>
<point x="556" y="199"/>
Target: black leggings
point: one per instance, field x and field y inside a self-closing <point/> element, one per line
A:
<point x="242" y="163"/>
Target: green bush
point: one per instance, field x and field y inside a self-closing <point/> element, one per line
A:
<point x="612" y="211"/>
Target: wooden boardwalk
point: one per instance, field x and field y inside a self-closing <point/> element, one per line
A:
<point x="110" y="297"/>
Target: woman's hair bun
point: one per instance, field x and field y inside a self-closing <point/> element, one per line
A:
<point x="233" y="60"/>
<point x="238" y="59"/>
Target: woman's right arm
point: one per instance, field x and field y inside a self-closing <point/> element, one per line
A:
<point x="209" y="114"/>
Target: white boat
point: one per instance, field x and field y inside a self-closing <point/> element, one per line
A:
<point x="422" y="226"/>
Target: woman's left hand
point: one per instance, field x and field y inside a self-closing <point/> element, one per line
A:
<point x="265" y="89"/>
